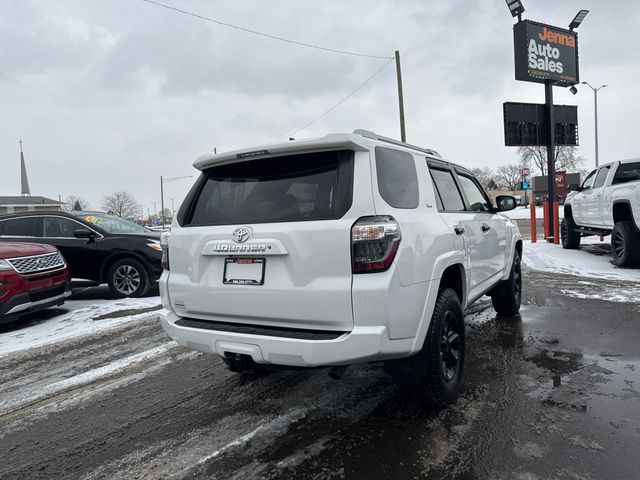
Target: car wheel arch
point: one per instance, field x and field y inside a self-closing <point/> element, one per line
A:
<point x="454" y="277"/>
<point x="621" y="211"/>
<point x="449" y="272"/>
<point x="568" y="212"/>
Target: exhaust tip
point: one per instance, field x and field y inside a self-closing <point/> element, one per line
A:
<point x="336" y="373"/>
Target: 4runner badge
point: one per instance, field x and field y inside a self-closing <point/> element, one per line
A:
<point x="241" y="235"/>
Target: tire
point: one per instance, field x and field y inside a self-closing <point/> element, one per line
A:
<point x="439" y="366"/>
<point x="625" y="244"/>
<point x="506" y="297"/>
<point x="570" y="238"/>
<point x="127" y="277"/>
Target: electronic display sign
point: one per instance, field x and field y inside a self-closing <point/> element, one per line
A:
<point x="545" y="53"/>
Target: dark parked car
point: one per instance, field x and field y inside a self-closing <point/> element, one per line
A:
<point x="97" y="247"/>
<point x="32" y="277"/>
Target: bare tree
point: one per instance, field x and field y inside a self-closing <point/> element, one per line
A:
<point x="566" y="158"/>
<point x="121" y="204"/>
<point x="508" y="177"/>
<point x="485" y="177"/>
<point x="76" y="203"/>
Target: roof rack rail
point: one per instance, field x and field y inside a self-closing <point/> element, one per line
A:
<point x="375" y="136"/>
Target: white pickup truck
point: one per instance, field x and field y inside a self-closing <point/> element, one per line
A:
<point x="607" y="203"/>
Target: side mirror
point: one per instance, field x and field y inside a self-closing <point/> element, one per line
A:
<point x="84" y="233"/>
<point x="574" y="187"/>
<point x="506" y="203"/>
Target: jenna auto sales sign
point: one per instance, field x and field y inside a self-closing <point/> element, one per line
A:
<point x="545" y="53"/>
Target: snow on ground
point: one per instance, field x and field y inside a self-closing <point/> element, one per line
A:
<point x="522" y="213"/>
<point x="627" y="294"/>
<point x="84" y="378"/>
<point x="593" y="259"/>
<point x="76" y="318"/>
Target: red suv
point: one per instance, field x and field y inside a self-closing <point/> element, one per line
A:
<point x="33" y="276"/>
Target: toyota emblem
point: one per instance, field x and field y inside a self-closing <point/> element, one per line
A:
<point x="241" y="235"/>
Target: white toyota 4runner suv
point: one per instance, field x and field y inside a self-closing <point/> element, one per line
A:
<point x="337" y="250"/>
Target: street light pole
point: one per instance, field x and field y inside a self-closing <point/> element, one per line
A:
<point x="162" y="200"/>
<point x="162" y="193"/>
<point x="173" y="208"/>
<point x="595" y="108"/>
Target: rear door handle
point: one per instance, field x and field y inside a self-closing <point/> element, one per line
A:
<point x="485" y="228"/>
<point x="459" y="230"/>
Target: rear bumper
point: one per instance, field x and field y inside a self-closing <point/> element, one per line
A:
<point x="362" y="344"/>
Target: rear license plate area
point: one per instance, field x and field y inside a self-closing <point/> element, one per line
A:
<point x="243" y="271"/>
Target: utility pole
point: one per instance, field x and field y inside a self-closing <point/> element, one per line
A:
<point x="403" y="135"/>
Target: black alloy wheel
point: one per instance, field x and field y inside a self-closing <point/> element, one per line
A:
<point x="570" y="238"/>
<point x="450" y="347"/>
<point x="625" y="244"/>
<point x="618" y="244"/>
<point x="507" y="296"/>
<point x="438" y="367"/>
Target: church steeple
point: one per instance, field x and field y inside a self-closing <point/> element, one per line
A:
<point x="23" y="174"/>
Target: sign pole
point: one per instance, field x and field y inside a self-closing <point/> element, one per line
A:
<point x="551" y="169"/>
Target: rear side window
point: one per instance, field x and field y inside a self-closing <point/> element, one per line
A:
<point x="313" y="186"/>
<point x="627" y="172"/>
<point x="447" y="190"/>
<point x="22" y="227"/>
<point x="397" y="177"/>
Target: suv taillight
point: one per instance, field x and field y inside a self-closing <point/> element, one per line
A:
<point x="164" y="244"/>
<point x="374" y="243"/>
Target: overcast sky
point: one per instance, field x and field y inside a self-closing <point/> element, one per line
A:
<point x="110" y="94"/>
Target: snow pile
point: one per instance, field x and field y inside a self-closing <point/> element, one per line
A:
<point x="78" y="317"/>
<point x="593" y="259"/>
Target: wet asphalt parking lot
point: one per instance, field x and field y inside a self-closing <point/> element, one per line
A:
<point x="551" y="394"/>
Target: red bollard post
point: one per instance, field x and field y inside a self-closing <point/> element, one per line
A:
<point x="534" y="233"/>
<point x="556" y="223"/>
<point x="545" y="225"/>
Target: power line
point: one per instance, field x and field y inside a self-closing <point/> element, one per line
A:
<point x="267" y="35"/>
<point x="351" y="93"/>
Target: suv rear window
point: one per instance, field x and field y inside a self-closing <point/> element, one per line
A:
<point x="627" y="172"/>
<point x="313" y="186"/>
